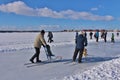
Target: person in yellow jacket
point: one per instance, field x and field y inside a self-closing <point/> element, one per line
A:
<point x="39" y="41"/>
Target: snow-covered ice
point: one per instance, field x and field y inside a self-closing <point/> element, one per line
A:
<point x="102" y="62"/>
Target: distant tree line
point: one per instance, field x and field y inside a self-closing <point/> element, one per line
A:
<point x="11" y="31"/>
<point x="87" y="30"/>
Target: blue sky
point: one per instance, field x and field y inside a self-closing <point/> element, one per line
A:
<point x="59" y="14"/>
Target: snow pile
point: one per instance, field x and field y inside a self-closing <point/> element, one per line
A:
<point x="109" y="70"/>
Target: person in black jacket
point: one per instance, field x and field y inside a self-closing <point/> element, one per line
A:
<point x="105" y="36"/>
<point x="76" y="36"/>
<point x="81" y="42"/>
<point x="91" y="34"/>
<point x="50" y="36"/>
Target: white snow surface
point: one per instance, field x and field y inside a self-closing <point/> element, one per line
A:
<point x="102" y="62"/>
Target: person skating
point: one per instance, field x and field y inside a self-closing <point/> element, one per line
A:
<point x="81" y="43"/>
<point x="117" y="34"/>
<point x="85" y="34"/>
<point x="76" y="36"/>
<point x="112" y="38"/>
<point x="50" y="36"/>
<point x="105" y="36"/>
<point x="39" y="41"/>
<point x="96" y="35"/>
<point x="91" y="34"/>
<point x="102" y="34"/>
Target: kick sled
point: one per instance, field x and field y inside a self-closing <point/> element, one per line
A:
<point x="50" y="56"/>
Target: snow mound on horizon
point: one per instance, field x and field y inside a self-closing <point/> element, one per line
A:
<point x="108" y="70"/>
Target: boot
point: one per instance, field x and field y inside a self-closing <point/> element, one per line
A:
<point x="31" y="61"/>
<point x="38" y="61"/>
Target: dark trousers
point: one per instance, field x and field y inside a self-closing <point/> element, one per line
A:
<point x="50" y="39"/>
<point x="90" y="37"/>
<point x="112" y="40"/>
<point x="36" y="55"/>
<point x="105" y="39"/>
<point x="96" y="39"/>
<point x="80" y="51"/>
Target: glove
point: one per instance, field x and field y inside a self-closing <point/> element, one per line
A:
<point x="44" y="45"/>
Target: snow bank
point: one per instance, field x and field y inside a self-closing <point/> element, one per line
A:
<point x="109" y="70"/>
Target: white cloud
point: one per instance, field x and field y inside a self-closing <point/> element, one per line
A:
<point x="21" y="8"/>
<point x="94" y="9"/>
<point x="45" y="12"/>
<point x="18" y="8"/>
<point x="40" y="27"/>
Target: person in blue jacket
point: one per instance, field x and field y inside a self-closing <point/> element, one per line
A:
<point x="81" y="42"/>
<point x="96" y="35"/>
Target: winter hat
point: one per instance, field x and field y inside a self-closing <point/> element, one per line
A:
<point x="82" y="32"/>
<point x="42" y="31"/>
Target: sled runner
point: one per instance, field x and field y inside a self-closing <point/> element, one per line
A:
<point x="51" y="57"/>
<point x="53" y="60"/>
